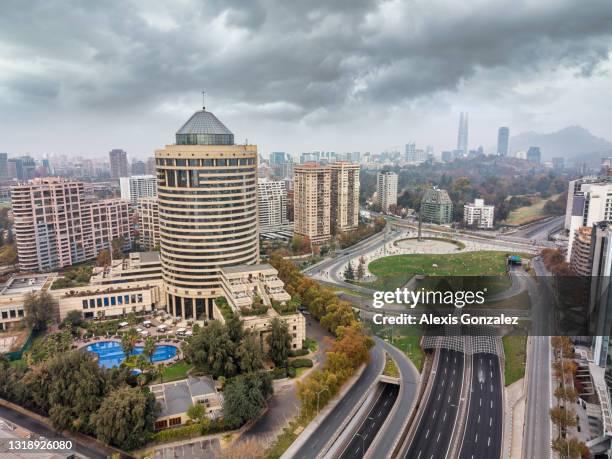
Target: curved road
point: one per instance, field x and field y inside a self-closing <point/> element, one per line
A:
<point x="324" y="432"/>
<point x="482" y="437"/>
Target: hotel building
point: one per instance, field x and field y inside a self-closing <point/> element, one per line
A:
<point x="207" y="196"/>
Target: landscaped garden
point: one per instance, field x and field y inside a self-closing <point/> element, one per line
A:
<point x="395" y="271"/>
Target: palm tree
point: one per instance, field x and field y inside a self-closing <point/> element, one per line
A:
<point x="128" y="341"/>
<point x="149" y="348"/>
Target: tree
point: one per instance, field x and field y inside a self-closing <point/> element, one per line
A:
<point x="196" y="412"/>
<point x="40" y="309"/>
<point x="128" y="341"/>
<point x="212" y="351"/>
<point x="104" y="258"/>
<point x="117" y="247"/>
<point x="73" y="319"/>
<point x="235" y="329"/>
<point x="69" y="388"/>
<point x="568" y="394"/>
<point x="244" y="397"/>
<point x="563" y="418"/>
<point x="149" y="348"/>
<point x="279" y="341"/>
<point x="250" y="354"/>
<point x="349" y="273"/>
<point x="125" y="417"/>
<point x="361" y="268"/>
<point x="570" y="448"/>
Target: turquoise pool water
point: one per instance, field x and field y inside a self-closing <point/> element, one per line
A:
<point x="110" y="353"/>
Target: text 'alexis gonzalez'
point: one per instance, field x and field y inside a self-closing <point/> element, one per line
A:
<point x="412" y="298"/>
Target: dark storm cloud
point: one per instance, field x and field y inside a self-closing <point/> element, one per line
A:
<point x="285" y="59"/>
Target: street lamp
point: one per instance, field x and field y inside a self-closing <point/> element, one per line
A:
<point x="318" y="394"/>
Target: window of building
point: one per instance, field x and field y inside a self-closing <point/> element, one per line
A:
<point x="175" y="421"/>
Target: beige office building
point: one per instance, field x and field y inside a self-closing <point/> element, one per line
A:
<point x="312" y="201"/>
<point x="207" y="196"/>
<point x="148" y="223"/>
<point x="344" y="196"/>
<point x="57" y="226"/>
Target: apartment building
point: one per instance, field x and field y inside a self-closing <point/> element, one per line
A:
<point x="272" y="202"/>
<point x="386" y="190"/>
<point x="344" y="200"/>
<point x="478" y="214"/>
<point x="436" y="207"/>
<point x="312" y="201"/>
<point x="148" y="223"/>
<point x="138" y="186"/>
<point x="207" y="197"/>
<point x="589" y="200"/>
<point x="118" y="163"/>
<point x="57" y="226"/>
<point x="580" y="257"/>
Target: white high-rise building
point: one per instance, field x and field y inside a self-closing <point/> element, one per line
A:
<point x="138" y="186"/>
<point x="386" y="190"/>
<point x="478" y="214"/>
<point x="589" y="201"/>
<point x="272" y="201"/>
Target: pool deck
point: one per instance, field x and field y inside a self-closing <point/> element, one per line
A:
<point x="82" y="343"/>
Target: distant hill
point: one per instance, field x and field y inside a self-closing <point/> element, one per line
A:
<point x="571" y="143"/>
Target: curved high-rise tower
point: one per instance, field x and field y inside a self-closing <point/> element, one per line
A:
<point x="207" y="193"/>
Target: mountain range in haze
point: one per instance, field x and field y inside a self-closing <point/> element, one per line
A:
<point x="574" y="143"/>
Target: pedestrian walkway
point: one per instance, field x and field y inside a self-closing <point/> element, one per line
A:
<point x="514" y="418"/>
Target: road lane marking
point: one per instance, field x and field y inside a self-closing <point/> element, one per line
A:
<point x="438" y="439"/>
<point x="490" y="422"/>
<point x="489" y="442"/>
<point x="478" y="422"/>
<point x="476" y="439"/>
<point x="444" y="417"/>
<point x="426" y="434"/>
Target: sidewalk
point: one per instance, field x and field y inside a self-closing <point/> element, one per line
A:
<point x="514" y="419"/>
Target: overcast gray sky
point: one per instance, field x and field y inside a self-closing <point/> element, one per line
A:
<point x="82" y="77"/>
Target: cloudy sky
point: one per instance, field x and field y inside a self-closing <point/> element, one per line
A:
<point x="82" y="77"/>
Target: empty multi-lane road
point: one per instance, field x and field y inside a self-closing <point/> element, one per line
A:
<point x="482" y="437"/>
<point x="371" y="424"/>
<point x="437" y="423"/>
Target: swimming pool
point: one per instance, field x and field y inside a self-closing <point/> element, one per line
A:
<point x="110" y="353"/>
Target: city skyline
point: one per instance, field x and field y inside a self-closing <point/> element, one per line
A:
<point x="112" y="78"/>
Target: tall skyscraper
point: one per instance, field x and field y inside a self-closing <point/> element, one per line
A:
<point x="312" y="201"/>
<point x="138" y="167"/>
<point x="410" y="152"/>
<point x="118" y="163"/>
<point x="4" y="166"/>
<point x="277" y="157"/>
<point x="138" y="186"/>
<point x="56" y="226"/>
<point x="386" y="190"/>
<point x="344" y="200"/>
<point x="462" y="134"/>
<point x="503" y="136"/>
<point x="207" y="195"/>
<point x="272" y="200"/>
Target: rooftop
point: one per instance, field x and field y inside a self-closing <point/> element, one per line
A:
<point x="176" y="397"/>
<point x="204" y="128"/>
<point x="239" y="269"/>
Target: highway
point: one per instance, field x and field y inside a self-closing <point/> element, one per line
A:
<point x="436" y="425"/>
<point x="540" y="231"/>
<point x="324" y="432"/>
<point x="537" y="427"/>
<point x="482" y="436"/>
<point x="372" y="423"/>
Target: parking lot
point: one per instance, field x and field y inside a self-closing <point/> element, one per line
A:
<point x="204" y="449"/>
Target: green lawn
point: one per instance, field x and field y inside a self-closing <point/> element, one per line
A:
<point x="516" y="355"/>
<point x="175" y="372"/>
<point x="527" y="214"/>
<point x="390" y="368"/>
<point x="410" y="346"/>
<point x="394" y="271"/>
